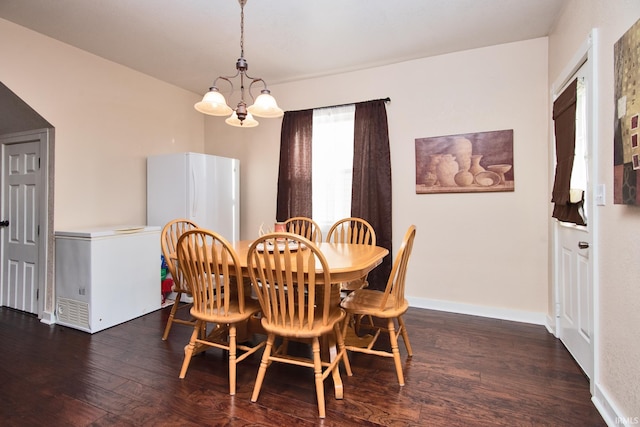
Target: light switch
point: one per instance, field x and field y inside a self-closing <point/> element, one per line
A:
<point x="600" y="194"/>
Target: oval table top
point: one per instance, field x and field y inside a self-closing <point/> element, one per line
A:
<point x="346" y="261"/>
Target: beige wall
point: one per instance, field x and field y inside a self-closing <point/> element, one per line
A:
<point x="107" y="120"/>
<point x="617" y="376"/>
<point x="480" y="253"/>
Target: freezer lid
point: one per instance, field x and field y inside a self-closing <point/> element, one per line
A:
<point x="106" y="231"/>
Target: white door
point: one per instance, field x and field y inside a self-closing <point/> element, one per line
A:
<point x="20" y="216"/>
<point x="574" y="263"/>
<point x="575" y="287"/>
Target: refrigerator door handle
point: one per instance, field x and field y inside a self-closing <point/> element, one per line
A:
<point x="194" y="189"/>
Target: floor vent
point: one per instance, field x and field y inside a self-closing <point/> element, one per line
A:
<point x="73" y="312"/>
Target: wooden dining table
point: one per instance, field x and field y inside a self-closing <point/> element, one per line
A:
<point x="346" y="262"/>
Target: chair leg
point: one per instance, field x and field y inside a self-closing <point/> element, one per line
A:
<point x="263" y="367"/>
<point x="203" y="330"/>
<point x="359" y="324"/>
<point x="232" y="360"/>
<point x="172" y="314"/>
<point x="188" y="350"/>
<point x="405" y="335"/>
<point x="317" y="368"/>
<point x="283" y="348"/>
<point x="394" y="349"/>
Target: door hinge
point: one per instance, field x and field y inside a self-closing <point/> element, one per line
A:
<point x="38" y="294"/>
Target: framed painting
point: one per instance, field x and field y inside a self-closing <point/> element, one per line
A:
<point x="466" y="163"/>
<point x="626" y="151"/>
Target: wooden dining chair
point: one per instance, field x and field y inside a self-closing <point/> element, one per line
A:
<point x="388" y="305"/>
<point x="352" y="230"/>
<point x="296" y="305"/>
<point x="169" y="236"/>
<point x="305" y="227"/>
<point x="208" y="263"/>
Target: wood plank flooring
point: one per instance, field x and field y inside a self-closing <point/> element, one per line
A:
<point x="466" y="371"/>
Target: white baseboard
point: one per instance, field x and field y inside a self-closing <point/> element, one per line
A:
<point x="476" y="310"/>
<point x="550" y="323"/>
<point x="609" y="410"/>
<point x="48" y="318"/>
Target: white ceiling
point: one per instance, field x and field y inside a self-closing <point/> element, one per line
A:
<point x="190" y="42"/>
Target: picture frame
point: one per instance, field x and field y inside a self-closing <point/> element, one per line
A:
<point x="626" y="147"/>
<point x="477" y="162"/>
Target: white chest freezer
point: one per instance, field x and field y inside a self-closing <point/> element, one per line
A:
<point x="106" y="276"/>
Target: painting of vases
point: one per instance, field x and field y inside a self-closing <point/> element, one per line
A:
<point x="465" y="163"/>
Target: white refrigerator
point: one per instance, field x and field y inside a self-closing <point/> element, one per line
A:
<point x="199" y="187"/>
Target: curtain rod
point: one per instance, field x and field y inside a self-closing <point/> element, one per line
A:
<point x="387" y="99"/>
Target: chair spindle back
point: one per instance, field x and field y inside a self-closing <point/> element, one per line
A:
<point x="396" y="282"/>
<point x="305" y="227"/>
<point x="285" y="269"/>
<point x="352" y="230"/>
<point x="208" y="262"/>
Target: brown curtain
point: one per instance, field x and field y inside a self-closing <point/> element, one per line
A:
<point x="564" y="119"/>
<point x="371" y="188"/>
<point x="294" y="176"/>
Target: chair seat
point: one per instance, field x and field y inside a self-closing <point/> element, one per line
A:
<point x="177" y="288"/>
<point x="304" y="330"/>
<point x="368" y="302"/>
<point x="233" y="314"/>
<point x="354" y="284"/>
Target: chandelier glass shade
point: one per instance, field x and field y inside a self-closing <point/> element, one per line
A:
<point x="248" y="122"/>
<point x="215" y="104"/>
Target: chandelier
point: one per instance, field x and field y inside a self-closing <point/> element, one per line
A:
<point x="214" y="103"/>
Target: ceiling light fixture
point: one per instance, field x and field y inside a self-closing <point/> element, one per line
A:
<point x="214" y="103"/>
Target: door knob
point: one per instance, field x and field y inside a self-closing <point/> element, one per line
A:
<point x="4" y="223"/>
<point x="583" y="245"/>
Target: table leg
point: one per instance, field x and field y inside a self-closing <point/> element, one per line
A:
<point x="337" y="380"/>
<point x="332" y="346"/>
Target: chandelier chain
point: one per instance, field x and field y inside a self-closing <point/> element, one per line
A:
<point x="242" y="29"/>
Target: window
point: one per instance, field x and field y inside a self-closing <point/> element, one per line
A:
<point x="579" y="170"/>
<point x="569" y="130"/>
<point x="332" y="164"/>
<point x="355" y="148"/>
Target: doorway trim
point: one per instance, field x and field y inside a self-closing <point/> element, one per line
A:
<point x="46" y="306"/>
<point x="586" y="54"/>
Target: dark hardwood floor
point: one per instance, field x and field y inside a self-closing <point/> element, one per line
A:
<point x="466" y="371"/>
